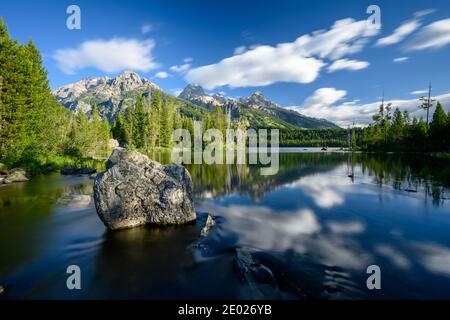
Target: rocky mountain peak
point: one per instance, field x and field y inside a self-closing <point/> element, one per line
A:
<point x="257" y="94"/>
<point x="129" y="76"/>
<point x="192" y="91"/>
<point x="129" y="80"/>
<point x="258" y="97"/>
<point x="108" y="93"/>
<point x="195" y="94"/>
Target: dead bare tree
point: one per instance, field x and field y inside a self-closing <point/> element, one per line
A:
<point x="427" y="102"/>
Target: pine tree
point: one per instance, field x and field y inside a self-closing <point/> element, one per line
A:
<point x="105" y="135"/>
<point x="155" y="119"/>
<point x="119" y="129"/>
<point x="139" y="124"/>
<point x="353" y="139"/>
<point x="7" y="94"/>
<point x="207" y="122"/>
<point x="177" y="121"/>
<point x="95" y="129"/>
<point x="128" y="126"/>
<point x="438" y="125"/>
<point x="81" y="136"/>
<point x="397" y="127"/>
<point x="419" y="134"/>
<point x="219" y="119"/>
<point x="167" y="114"/>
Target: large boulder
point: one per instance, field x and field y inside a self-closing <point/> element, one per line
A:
<point x="136" y="190"/>
<point x="15" y="175"/>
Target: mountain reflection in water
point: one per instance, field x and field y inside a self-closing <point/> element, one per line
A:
<point x="309" y="231"/>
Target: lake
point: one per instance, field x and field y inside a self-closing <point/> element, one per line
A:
<point x="308" y="232"/>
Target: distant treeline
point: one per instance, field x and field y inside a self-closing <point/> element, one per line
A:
<point x="390" y="131"/>
<point x="331" y="137"/>
<point x="396" y="131"/>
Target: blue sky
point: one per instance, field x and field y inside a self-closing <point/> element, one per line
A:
<point x="337" y="74"/>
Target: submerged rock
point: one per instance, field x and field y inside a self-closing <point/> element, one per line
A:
<point x="209" y="224"/>
<point x="136" y="190"/>
<point x="258" y="277"/>
<point x="265" y="276"/>
<point x="15" y="175"/>
<point x="77" y="200"/>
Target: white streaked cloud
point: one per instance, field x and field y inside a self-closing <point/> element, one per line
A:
<point x="420" y="91"/>
<point x="109" y="56"/>
<point x="181" y="68"/>
<point x="399" y="33"/>
<point x="299" y="61"/>
<point x="400" y="59"/>
<point x="162" y="75"/>
<point x="346" y="64"/>
<point x="423" y="13"/>
<point x="432" y="36"/>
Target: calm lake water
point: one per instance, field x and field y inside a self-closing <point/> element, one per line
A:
<point x="308" y="232"/>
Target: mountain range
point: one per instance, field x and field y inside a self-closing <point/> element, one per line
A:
<point x="260" y="111"/>
<point x="114" y="95"/>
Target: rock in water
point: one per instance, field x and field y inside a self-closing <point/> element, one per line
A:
<point x="16" y="175"/>
<point x="75" y="200"/>
<point x="209" y="224"/>
<point x="136" y="190"/>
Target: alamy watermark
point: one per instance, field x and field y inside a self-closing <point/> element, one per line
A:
<point x="73" y="21"/>
<point x="374" y="20"/>
<point x="73" y="281"/>
<point x="374" y="280"/>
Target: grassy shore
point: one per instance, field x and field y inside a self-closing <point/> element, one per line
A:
<point x="53" y="163"/>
